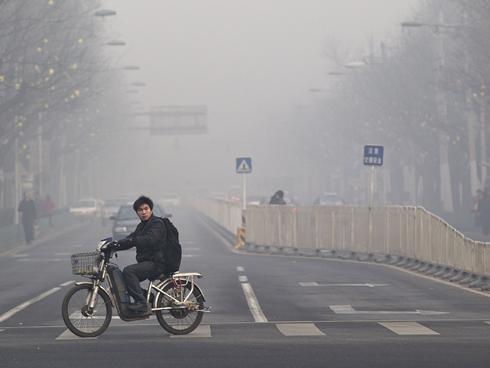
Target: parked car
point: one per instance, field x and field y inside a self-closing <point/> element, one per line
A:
<point x="126" y="220"/>
<point x="329" y="199"/>
<point x="170" y="199"/>
<point x="88" y="208"/>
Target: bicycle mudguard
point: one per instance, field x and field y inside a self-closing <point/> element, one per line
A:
<point x="169" y="281"/>
<point x="100" y="287"/>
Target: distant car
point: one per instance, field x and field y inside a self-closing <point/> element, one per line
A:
<point x="126" y="220"/>
<point x="170" y="199"/>
<point x="329" y="199"/>
<point x="257" y="200"/>
<point x="111" y="206"/>
<point x="88" y="208"/>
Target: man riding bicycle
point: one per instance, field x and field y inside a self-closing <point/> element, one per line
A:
<point x="149" y="240"/>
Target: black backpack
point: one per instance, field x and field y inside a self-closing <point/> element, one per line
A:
<point x="173" y="249"/>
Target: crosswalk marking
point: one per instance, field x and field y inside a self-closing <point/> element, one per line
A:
<point x="242" y="278"/>
<point x="408" y="328"/>
<point x="240" y="269"/>
<point x="299" y="329"/>
<point x="200" y="331"/>
<point x="68" y="335"/>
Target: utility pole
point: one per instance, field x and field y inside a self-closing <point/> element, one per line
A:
<point x="471" y="119"/>
<point x="446" y="195"/>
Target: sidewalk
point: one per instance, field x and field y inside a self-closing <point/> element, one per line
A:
<point x="12" y="237"/>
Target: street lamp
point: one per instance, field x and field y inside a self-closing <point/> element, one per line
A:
<point x="354" y="64"/>
<point x="131" y="67"/>
<point x="116" y="43"/>
<point x="104" y="13"/>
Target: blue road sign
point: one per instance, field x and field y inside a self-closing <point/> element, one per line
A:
<point x="373" y="155"/>
<point x="243" y="165"/>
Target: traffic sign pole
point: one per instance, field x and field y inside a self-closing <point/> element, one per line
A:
<point x="244" y="192"/>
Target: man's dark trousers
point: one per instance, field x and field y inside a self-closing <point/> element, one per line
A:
<point x="135" y="273"/>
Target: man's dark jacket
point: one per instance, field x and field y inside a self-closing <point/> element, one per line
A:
<point x="149" y="240"/>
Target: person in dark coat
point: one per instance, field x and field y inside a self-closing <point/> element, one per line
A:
<point x="277" y="198"/>
<point x="27" y="208"/>
<point x="148" y="238"/>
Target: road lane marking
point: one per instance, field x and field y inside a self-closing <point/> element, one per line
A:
<point x="68" y="335"/>
<point x="20" y="255"/>
<point x="240" y="269"/>
<point x="314" y="283"/>
<point x="299" y="329"/>
<point x="190" y="255"/>
<point x="408" y="328"/>
<point x="253" y="303"/>
<point x="200" y="331"/>
<point x="42" y="259"/>
<point x="67" y="283"/>
<point x="348" y="309"/>
<point x="27" y="303"/>
<point x="242" y="278"/>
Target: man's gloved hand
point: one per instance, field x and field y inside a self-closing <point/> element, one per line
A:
<point x="125" y="243"/>
<point x="113" y="245"/>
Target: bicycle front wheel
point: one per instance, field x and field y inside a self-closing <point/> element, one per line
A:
<point x="79" y="318"/>
<point x="184" y="318"/>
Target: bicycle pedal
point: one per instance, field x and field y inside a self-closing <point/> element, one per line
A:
<point x="205" y="310"/>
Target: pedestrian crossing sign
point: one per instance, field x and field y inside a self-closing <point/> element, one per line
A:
<point x="243" y="165"/>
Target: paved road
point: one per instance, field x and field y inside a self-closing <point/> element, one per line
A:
<point x="270" y="311"/>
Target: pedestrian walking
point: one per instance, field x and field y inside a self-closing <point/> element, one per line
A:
<point x="27" y="208"/>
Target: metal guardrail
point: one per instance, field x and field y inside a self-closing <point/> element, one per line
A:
<point x="402" y="231"/>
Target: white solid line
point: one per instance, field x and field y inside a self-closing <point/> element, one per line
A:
<point x="2" y="329"/>
<point x="253" y="303"/>
<point x="67" y="283"/>
<point x="299" y="329"/>
<point x="408" y="328"/>
<point x="242" y="278"/>
<point x="200" y="331"/>
<point x="314" y="283"/>
<point x="347" y="309"/>
<point x="240" y="269"/>
<point x="24" y="305"/>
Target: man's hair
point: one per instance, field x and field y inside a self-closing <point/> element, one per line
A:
<point x="141" y="201"/>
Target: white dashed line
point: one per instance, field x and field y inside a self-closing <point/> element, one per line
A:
<point x="242" y="278"/>
<point x="253" y="303"/>
<point x="24" y="305"/>
<point x="408" y="328"/>
<point x="240" y="269"/>
<point x="67" y="283"/>
<point x="299" y="329"/>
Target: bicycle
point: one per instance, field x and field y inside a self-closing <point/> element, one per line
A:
<point x="175" y="299"/>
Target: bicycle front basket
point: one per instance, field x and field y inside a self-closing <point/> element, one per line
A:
<point x="85" y="264"/>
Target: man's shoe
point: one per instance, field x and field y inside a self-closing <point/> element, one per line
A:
<point x="140" y="308"/>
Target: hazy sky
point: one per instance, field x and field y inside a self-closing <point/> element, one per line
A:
<point x="251" y="62"/>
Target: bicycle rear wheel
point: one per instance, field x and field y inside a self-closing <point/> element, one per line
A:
<point x="79" y="318"/>
<point x="181" y="319"/>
